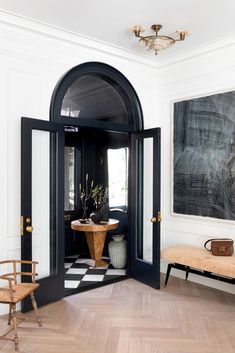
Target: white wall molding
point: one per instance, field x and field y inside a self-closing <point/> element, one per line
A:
<point x="195" y="52"/>
<point x="3" y="154"/>
<point x="199" y="229"/>
<point x="16" y="26"/>
<point x="195" y="81"/>
<point x="23" y="26"/>
<point x="210" y="71"/>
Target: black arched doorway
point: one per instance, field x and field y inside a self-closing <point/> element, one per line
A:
<point x="96" y="95"/>
<point x="103" y="108"/>
<point x="95" y="109"/>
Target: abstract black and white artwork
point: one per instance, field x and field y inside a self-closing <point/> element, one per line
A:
<point x="204" y="156"/>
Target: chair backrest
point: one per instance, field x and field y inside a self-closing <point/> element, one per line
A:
<point x="15" y="293"/>
<point x="14" y="273"/>
<point x="11" y="276"/>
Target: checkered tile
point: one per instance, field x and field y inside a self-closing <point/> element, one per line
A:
<point x="79" y="272"/>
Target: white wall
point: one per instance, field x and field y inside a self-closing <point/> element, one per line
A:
<point x="32" y="59"/>
<point x="207" y="72"/>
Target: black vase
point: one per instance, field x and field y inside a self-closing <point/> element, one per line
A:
<point x="96" y="217"/>
<point x="105" y="211"/>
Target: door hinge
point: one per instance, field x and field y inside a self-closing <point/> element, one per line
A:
<point x="159" y="216"/>
<point x="67" y="217"/>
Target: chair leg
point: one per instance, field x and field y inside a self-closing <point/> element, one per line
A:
<point x="10" y="315"/>
<point x="34" y="303"/>
<point x="15" y="327"/>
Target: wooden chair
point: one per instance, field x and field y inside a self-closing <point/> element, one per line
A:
<point x="15" y="292"/>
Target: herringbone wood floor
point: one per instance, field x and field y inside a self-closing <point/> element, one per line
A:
<point x="129" y="317"/>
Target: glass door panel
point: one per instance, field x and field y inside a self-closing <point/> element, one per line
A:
<point x="41" y="201"/>
<point x="69" y="178"/>
<point x="145" y="201"/>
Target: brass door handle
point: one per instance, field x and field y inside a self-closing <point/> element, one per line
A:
<point x="157" y="219"/>
<point x="29" y="229"/>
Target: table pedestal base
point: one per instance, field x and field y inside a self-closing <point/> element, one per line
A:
<point x="95" y="241"/>
<point x="95" y="236"/>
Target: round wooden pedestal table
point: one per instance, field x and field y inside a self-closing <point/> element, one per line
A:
<point x="95" y="236"/>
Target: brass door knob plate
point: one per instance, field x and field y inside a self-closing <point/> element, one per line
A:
<point x="159" y="216"/>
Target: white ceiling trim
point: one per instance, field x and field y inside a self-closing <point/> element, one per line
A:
<point x="26" y="24"/>
<point x="57" y="33"/>
<point x="203" y="49"/>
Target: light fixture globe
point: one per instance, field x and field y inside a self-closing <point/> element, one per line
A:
<point x="157" y="42"/>
<point x="137" y="29"/>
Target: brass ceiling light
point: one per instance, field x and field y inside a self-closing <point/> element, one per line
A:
<point x="155" y="41"/>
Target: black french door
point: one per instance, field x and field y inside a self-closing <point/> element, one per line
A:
<point x="145" y="215"/>
<point x="42" y="206"/>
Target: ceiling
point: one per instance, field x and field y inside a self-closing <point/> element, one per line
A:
<point x="109" y="21"/>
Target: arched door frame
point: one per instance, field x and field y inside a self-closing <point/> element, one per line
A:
<point x="116" y="79"/>
<point x="130" y="99"/>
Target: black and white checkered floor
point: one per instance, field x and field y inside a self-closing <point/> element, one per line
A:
<point x="80" y="273"/>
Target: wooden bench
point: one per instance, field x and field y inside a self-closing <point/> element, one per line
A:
<point x="199" y="261"/>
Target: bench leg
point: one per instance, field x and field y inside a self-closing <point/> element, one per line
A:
<point x="169" y="267"/>
<point x="187" y="272"/>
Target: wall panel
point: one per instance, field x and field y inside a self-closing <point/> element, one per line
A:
<point x="33" y="57"/>
<point x="201" y="75"/>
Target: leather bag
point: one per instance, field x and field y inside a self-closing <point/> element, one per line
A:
<point x="220" y="247"/>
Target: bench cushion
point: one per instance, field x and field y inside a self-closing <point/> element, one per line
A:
<point x="200" y="259"/>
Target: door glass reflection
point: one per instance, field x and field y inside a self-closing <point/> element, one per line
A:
<point x="69" y="175"/>
<point x="118" y="178"/>
<point x="144" y="194"/>
<point x="147" y="199"/>
<point x="41" y="201"/>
